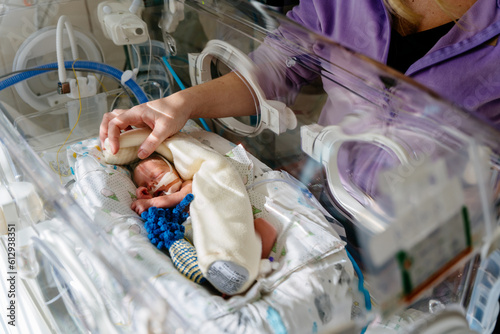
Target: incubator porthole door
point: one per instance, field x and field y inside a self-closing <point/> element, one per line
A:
<point x="219" y="58"/>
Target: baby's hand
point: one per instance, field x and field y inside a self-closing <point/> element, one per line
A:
<point x="141" y="205"/>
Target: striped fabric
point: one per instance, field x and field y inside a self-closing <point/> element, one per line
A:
<point x="184" y="257"/>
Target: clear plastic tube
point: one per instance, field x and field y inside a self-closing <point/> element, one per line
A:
<point x="182" y="87"/>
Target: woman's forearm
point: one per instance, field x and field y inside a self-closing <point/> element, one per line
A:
<point x="226" y="96"/>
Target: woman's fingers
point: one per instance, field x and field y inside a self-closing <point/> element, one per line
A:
<point x="164" y="117"/>
<point x="103" y="129"/>
<point x="122" y="120"/>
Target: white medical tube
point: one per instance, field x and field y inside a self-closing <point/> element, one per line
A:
<point x="61" y="23"/>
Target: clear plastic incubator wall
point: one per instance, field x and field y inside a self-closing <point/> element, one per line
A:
<point x="386" y="211"/>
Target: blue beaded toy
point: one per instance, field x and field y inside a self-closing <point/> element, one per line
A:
<point x="165" y="229"/>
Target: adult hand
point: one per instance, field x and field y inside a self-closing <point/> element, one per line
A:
<point x="223" y="97"/>
<point x="164" y="116"/>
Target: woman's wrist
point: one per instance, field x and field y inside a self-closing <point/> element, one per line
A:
<point x="180" y="102"/>
<point x="190" y="103"/>
<point x="223" y="97"/>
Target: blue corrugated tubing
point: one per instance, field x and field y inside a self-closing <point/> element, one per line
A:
<point x="79" y="65"/>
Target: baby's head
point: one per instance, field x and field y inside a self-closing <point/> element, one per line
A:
<point x="155" y="176"/>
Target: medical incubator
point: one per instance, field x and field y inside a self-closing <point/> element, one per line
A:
<point x="386" y="194"/>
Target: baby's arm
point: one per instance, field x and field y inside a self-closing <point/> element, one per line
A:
<point x="268" y="235"/>
<point x="163" y="201"/>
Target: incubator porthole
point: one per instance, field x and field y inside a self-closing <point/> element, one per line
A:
<point x="219" y="58"/>
<point x="246" y="125"/>
<point x="39" y="49"/>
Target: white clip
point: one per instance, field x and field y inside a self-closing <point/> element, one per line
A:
<point x="134" y="7"/>
<point x="86" y="86"/>
<point x="129" y="75"/>
<point x="174" y="13"/>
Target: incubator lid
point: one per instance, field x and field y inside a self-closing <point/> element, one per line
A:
<point x="393" y="161"/>
<point x="367" y="111"/>
<point x="312" y="74"/>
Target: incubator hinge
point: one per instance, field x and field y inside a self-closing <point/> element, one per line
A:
<point x="170" y="44"/>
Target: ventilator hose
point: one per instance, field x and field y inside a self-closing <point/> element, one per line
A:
<point x="78" y="65"/>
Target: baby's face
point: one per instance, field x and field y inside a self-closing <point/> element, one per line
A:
<point x="149" y="174"/>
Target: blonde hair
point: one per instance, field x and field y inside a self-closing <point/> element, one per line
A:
<point x="406" y="16"/>
<point x="399" y="9"/>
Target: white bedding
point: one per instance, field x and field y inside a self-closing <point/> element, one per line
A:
<point x="309" y="287"/>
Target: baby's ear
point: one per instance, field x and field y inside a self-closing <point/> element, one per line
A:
<point x="142" y="193"/>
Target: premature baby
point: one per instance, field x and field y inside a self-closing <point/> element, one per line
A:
<point x="225" y="233"/>
<point x="158" y="184"/>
